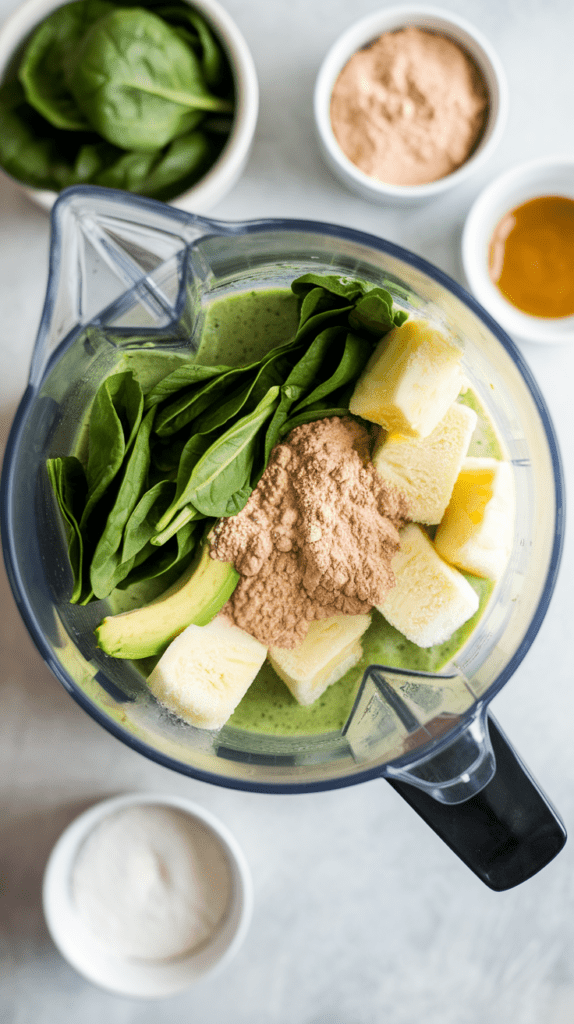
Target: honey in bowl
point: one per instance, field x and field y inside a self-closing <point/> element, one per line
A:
<point x="531" y="256"/>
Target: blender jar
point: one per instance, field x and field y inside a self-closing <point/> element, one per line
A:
<point x="127" y="271"/>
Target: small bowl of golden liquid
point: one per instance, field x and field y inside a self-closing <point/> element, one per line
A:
<point x="518" y="250"/>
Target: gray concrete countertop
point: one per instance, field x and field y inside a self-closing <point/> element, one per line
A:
<point x="362" y="915"/>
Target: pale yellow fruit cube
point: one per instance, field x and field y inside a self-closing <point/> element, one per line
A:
<point x="205" y="672"/>
<point x="430" y="599"/>
<point x="477" y="530"/>
<point x="331" y="647"/>
<point x="425" y="469"/>
<point x="411" y="379"/>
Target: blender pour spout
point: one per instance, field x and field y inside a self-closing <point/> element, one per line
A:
<point x="104" y="243"/>
<point x="428" y="727"/>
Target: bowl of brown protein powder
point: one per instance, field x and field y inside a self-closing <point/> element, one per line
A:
<point x="409" y="102"/>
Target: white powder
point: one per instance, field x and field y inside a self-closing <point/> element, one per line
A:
<point x="151" y="883"/>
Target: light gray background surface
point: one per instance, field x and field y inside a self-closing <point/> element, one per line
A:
<point x="362" y="916"/>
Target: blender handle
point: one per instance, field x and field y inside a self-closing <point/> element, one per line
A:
<point x="506" y="832"/>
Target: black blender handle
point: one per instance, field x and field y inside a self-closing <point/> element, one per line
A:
<point x="506" y="832"/>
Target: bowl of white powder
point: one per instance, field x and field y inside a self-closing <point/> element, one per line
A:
<point x="146" y="895"/>
<point x="408" y="102"/>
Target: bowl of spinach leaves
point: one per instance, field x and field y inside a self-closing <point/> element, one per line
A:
<point x="157" y="97"/>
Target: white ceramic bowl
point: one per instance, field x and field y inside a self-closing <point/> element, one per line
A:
<point x="224" y="173"/>
<point x="545" y="176"/>
<point x="366" y="31"/>
<point x="132" y="977"/>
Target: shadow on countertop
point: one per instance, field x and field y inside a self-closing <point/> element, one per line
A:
<point x="26" y="841"/>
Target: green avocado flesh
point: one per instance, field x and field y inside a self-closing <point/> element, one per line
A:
<point x="194" y="599"/>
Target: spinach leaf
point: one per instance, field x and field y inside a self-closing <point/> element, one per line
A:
<point x="144" y="560"/>
<point x="201" y="39"/>
<point x="374" y="312"/>
<point x="218" y="414"/>
<point x="106" y="566"/>
<point x="348" y="288"/>
<point x="191" y="403"/>
<point x="137" y="82"/>
<point x="224" y="470"/>
<point x="212" y="383"/>
<point x="178" y="166"/>
<point x="272" y="374"/>
<point x="70" y="488"/>
<point x="313" y="302"/>
<point x="47" y="57"/>
<point x="301" y="377"/>
<point x="323" y="314"/>
<point x="41" y="156"/>
<point x="90" y="160"/>
<point x="190" y="454"/>
<point x="373" y="306"/>
<point x="160" y="174"/>
<point x="153" y="562"/>
<point x="187" y="514"/>
<point x="114" y="421"/>
<point x="165" y="456"/>
<point x="306" y="369"/>
<point x="240" y="497"/>
<point x="315" y="412"/>
<point x="288" y="396"/>
<point x="142" y="523"/>
<point x="317" y="301"/>
<point x="247" y="396"/>
<point x="221" y="482"/>
<point x="32" y="150"/>
<point x="187" y="375"/>
<point x="356" y="352"/>
<point x="196" y="446"/>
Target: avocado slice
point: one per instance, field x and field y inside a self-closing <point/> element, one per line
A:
<point x="195" y="598"/>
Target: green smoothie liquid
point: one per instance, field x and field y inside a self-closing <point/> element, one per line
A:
<point x="241" y="328"/>
<point x="237" y="330"/>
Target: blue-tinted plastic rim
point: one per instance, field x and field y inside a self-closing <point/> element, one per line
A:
<point x="252" y="227"/>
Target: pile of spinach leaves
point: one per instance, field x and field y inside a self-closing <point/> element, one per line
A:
<point x="133" y="97"/>
<point x="164" y="465"/>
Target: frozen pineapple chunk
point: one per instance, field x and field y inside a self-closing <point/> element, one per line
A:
<point x="477" y="529"/>
<point x="205" y="672"/>
<point x="410" y="380"/>
<point x="331" y="647"/>
<point x="425" y="469"/>
<point x="430" y="599"/>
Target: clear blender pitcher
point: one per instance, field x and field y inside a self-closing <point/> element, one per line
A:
<point x="126" y="272"/>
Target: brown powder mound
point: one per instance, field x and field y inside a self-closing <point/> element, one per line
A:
<point x="316" y="537"/>
<point x="410" y="107"/>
